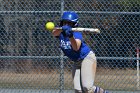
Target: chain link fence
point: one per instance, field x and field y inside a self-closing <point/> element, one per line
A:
<point x="30" y="57"/>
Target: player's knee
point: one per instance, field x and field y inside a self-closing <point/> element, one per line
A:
<point x="78" y="91"/>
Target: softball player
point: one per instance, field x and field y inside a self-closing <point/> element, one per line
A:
<point x="75" y="48"/>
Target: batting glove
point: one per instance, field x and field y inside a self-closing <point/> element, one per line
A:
<point x="68" y="31"/>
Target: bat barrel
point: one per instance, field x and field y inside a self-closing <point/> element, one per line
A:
<point x="95" y="30"/>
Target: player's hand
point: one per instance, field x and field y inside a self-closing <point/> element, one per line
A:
<point x="68" y="30"/>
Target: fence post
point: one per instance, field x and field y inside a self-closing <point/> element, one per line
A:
<point x="137" y="68"/>
<point x="62" y="59"/>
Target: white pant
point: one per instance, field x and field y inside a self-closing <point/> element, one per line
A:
<point x="83" y="73"/>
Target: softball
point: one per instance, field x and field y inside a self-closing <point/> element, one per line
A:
<point x="49" y="26"/>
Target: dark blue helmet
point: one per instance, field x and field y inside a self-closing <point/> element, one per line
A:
<point x="70" y="16"/>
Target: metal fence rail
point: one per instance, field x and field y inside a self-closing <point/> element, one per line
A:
<point x="53" y="57"/>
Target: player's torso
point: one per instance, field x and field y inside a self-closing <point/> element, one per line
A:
<point x="66" y="47"/>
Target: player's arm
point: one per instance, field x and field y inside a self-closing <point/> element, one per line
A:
<point x="75" y="43"/>
<point x="56" y="32"/>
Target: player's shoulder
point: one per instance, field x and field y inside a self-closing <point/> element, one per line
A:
<point x="76" y="32"/>
<point x="78" y="35"/>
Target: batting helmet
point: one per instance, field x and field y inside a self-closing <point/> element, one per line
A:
<point x="69" y="16"/>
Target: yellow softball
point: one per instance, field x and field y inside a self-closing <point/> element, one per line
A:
<point x="49" y="26"/>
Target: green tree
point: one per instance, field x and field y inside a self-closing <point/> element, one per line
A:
<point x="129" y="5"/>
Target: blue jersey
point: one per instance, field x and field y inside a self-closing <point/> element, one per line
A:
<point x="66" y="47"/>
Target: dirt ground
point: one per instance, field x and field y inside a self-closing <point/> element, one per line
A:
<point x="113" y="79"/>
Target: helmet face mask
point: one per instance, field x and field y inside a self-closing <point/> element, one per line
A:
<point x="67" y="22"/>
<point x="69" y="18"/>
